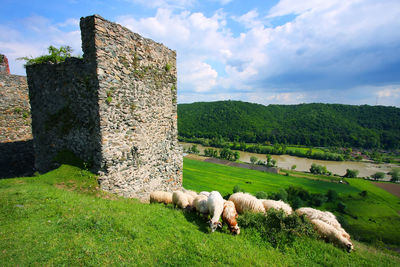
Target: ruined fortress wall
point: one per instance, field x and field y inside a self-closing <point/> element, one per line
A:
<point x="115" y="108"/>
<point x="137" y="109"/>
<point x="64" y="108"/>
<point x="15" y="119"/>
<point x="16" y="150"/>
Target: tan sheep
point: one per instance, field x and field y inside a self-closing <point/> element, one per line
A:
<point x="325" y="216"/>
<point x="200" y="204"/>
<point x="190" y="192"/>
<point x="161" y="197"/>
<point x="277" y="205"/>
<point x="331" y="234"/>
<point x="246" y="203"/>
<point x="229" y="216"/>
<point x="180" y="199"/>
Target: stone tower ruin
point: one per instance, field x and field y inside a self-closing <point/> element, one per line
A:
<point x="114" y="108"/>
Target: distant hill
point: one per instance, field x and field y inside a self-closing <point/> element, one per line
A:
<point x="304" y="124"/>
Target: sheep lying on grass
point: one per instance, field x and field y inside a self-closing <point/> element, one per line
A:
<point x="277" y="205"/>
<point x="229" y="216"/>
<point x="200" y="203"/>
<point x="325" y="216"/>
<point x="215" y="205"/>
<point x="246" y="203"/>
<point x="331" y="234"/>
<point x="161" y="197"/>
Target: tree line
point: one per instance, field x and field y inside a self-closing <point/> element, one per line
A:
<point x="318" y="125"/>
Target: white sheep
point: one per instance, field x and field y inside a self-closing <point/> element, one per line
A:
<point x="215" y="204"/>
<point x="205" y="193"/>
<point x="229" y="216"/>
<point x="331" y="234"/>
<point x="180" y="199"/>
<point x="325" y="216"/>
<point x="277" y="205"/>
<point x="246" y="203"/>
<point x="161" y="197"/>
<point x="200" y="204"/>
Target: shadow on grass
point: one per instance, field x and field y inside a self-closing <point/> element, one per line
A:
<point x="193" y="217"/>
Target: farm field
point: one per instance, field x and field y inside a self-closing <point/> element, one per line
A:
<point x="372" y="218"/>
<point x="62" y="218"/>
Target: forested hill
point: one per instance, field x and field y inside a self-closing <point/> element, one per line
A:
<point x="304" y="124"/>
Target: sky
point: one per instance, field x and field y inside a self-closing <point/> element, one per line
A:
<point x="267" y="52"/>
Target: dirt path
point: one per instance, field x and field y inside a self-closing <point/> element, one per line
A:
<point x="390" y="187"/>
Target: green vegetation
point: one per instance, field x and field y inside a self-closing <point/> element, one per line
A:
<point x="378" y="175"/>
<point x="373" y="217"/>
<point x="319" y="169"/>
<point x="395" y="173"/>
<point x="56" y="55"/>
<point x="351" y="173"/>
<point x="61" y="218"/>
<point x="318" y="125"/>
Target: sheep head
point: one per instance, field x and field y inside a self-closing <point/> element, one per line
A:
<point x="215" y="225"/>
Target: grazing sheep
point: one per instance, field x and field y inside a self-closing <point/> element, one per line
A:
<point x="180" y="199"/>
<point x="190" y="192"/>
<point x="200" y="203"/>
<point x="331" y="234"/>
<point x="277" y="205"/>
<point x="325" y="216"/>
<point x="190" y="199"/>
<point x="246" y="203"/>
<point x="229" y="216"/>
<point x="204" y="193"/>
<point x="215" y="205"/>
<point x="161" y="197"/>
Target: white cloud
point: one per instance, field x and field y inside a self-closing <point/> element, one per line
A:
<point x="172" y="4"/>
<point x="197" y="75"/>
<point x="32" y="37"/>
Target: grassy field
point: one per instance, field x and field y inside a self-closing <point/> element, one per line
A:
<point x="371" y="218"/>
<point x="200" y="175"/>
<point x="61" y="218"/>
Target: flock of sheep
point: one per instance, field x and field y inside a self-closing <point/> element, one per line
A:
<point x="212" y="203"/>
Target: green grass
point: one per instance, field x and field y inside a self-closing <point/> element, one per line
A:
<point x="200" y="175"/>
<point x="61" y="218"/>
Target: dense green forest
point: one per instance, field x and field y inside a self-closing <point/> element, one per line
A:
<point x="304" y="124"/>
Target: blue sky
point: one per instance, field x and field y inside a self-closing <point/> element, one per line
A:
<point x="268" y="52"/>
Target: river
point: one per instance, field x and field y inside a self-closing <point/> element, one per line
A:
<point x="366" y="169"/>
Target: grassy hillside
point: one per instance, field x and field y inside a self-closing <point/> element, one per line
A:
<point x="61" y="218"/>
<point x="371" y="218"/>
<point x="304" y="124"/>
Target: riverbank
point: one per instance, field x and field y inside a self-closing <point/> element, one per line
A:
<point x="365" y="168"/>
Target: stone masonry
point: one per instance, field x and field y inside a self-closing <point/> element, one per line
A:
<point x="115" y="108"/>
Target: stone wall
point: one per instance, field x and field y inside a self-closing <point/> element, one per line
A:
<point x="15" y="118"/>
<point x="115" y="108"/>
<point x="16" y="150"/>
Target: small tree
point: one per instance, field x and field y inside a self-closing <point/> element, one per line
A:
<point x="237" y="188"/>
<point x="236" y="155"/>
<point x="378" y="175"/>
<point x="395" y="173"/>
<point x="332" y="195"/>
<point x="261" y="195"/>
<point x="56" y="55"/>
<point x="253" y="159"/>
<point x="194" y="149"/>
<point x="351" y="173"/>
<point x="293" y="167"/>
<point x="363" y="193"/>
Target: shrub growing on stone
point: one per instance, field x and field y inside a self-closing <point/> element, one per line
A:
<point x="56" y="55"/>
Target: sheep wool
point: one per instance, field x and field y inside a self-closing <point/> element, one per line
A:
<point x="190" y="192"/>
<point x="331" y="234"/>
<point x="277" y="205"/>
<point x="200" y="204"/>
<point x="215" y="204"/>
<point x="229" y="216"/>
<point x="246" y="203"/>
<point x="205" y="193"/>
<point x="180" y="199"/>
<point x="161" y="197"/>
